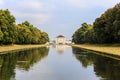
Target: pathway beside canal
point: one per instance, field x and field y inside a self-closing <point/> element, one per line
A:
<point x="108" y="49"/>
<point x="14" y="47"/>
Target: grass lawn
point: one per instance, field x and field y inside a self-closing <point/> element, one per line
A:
<point x="18" y="47"/>
<point x="113" y="49"/>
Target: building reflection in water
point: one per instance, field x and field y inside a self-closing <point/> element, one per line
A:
<point x="61" y="48"/>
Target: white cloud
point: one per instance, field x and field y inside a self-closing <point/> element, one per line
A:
<point x="35" y="5"/>
<point x="34" y="11"/>
<point x="92" y="3"/>
<point x="1" y="2"/>
<point x="36" y="18"/>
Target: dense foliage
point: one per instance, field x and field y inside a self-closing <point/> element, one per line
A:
<point x="24" y="33"/>
<point x="105" y="29"/>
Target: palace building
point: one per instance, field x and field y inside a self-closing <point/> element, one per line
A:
<point x="60" y="39"/>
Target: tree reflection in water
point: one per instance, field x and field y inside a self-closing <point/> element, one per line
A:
<point x="22" y="59"/>
<point x="105" y="68"/>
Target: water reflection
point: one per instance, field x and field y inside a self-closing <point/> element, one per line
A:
<point x="61" y="48"/>
<point x="23" y="60"/>
<point x="105" y="68"/>
<point x="21" y="65"/>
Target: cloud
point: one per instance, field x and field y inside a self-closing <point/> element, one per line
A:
<point x="1" y="2"/>
<point x="91" y="3"/>
<point x="34" y="11"/>
<point x="35" y="5"/>
<point x="36" y="18"/>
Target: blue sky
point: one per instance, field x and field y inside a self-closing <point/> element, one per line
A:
<point x="57" y="16"/>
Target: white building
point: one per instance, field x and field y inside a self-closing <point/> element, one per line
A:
<point x="60" y="39"/>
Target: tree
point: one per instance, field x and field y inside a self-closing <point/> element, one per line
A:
<point x="105" y="29"/>
<point x="90" y="36"/>
<point x="1" y="35"/>
<point x="24" y="36"/>
<point x="44" y="38"/>
<point x="28" y="34"/>
<point x="107" y="26"/>
<point x="24" y="33"/>
<point x="79" y="35"/>
<point x="7" y="27"/>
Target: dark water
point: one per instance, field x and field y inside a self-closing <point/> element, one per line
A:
<point x="58" y="63"/>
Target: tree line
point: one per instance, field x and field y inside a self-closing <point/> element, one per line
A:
<point x="105" y="29"/>
<point x="24" y="33"/>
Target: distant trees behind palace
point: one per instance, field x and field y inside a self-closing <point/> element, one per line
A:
<point x="24" y="33"/>
<point x="105" y="29"/>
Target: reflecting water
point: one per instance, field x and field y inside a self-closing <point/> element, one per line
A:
<point x="104" y="68"/>
<point x="60" y="62"/>
<point x="23" y="61"/>
<point x="61" y="48"/>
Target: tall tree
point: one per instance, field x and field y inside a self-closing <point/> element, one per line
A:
<point x="28" y="34"/>
<point x="24" y="33"/>
<point x="44" y="37"/>
<point x="7" y="27"/>
<point x="105" y="29"/>
<point x="79" y="35"/>
<point x="107" y="26"/>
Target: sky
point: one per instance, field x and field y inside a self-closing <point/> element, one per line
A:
<point x="57" y="17"/>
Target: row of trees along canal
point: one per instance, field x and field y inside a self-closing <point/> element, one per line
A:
<point x="24" y="33"/>
<point x="105" y="29"/>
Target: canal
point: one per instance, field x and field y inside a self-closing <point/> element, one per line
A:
<point x="59" y="62"/>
